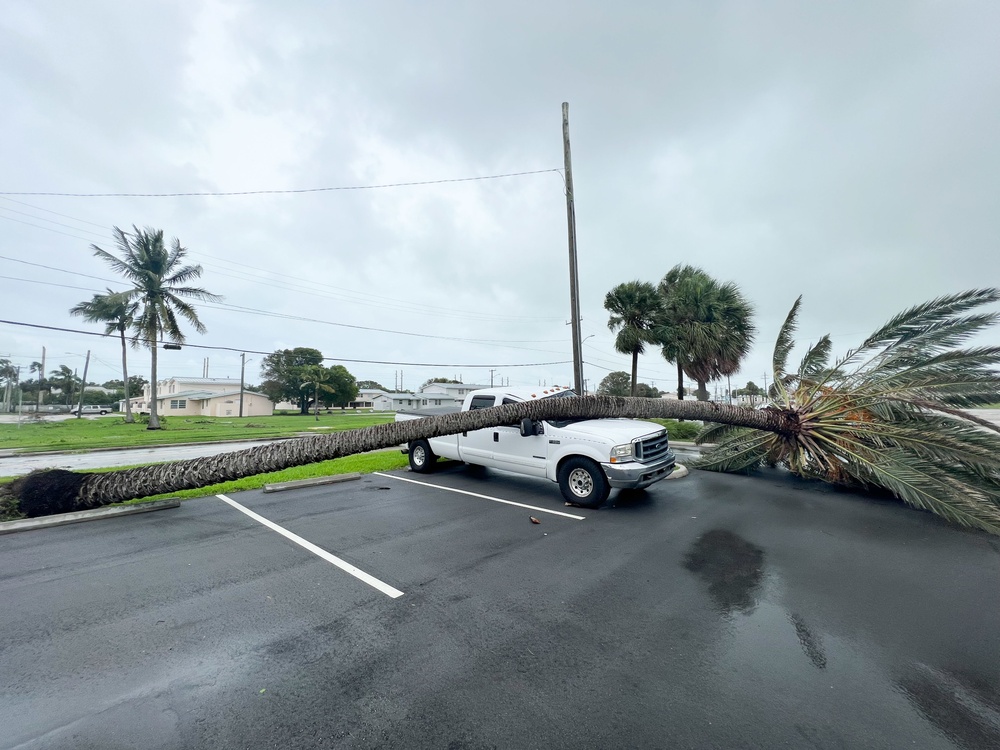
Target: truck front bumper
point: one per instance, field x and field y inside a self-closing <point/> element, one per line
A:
<point x="635" y="475"/>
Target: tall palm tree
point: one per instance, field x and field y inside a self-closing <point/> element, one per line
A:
<point x="158" y="293"/>
<point x="707" y="326"/>
<point x="889" y="414"/>
<point x="318" y="378"/>
<point x="117" y="312"/>
<point x="635" y="310"/>
<point x="9" y="378"/>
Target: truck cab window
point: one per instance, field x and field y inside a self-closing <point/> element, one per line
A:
<point x="482" y="402"/>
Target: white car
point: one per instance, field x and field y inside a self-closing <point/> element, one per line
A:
<point x="92" y="409"/>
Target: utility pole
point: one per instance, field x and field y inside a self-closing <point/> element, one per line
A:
<point x="83" y="385"/>
<point x="491" y="376"/>
<point x="574" y="280"/>
<point x="243" y="364"/>
<point x="41" y="377"/>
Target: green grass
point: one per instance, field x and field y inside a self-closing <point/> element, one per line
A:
<point x="112" y="432"/>
<point x="366" y="463"/>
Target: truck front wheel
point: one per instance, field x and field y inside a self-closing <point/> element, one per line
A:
<point x="582" y="482"/>
<point x="422" y="458"/>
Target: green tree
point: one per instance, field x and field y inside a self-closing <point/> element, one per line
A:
<point x="319" y="378"/>
<point x="159" y="293"/>
<point x="891" y="414"/>
<point x="9" y="380"/>
<point x="706" y="327"/>
<point x="117" y="313"/>
<point x="635" y="308"/>
<point x="65" y="380"/>
<point x="618" y="383"/>
<point x="284" y="372"/>
<point x="644" y="390"/>
<point x="429" y="381"/>
<point x="371" y="384"/>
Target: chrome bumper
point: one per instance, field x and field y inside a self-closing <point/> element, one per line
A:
<point x="635" y="475"/>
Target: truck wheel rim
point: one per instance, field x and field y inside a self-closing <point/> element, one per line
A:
<point x="581" y="483"/>
<point x="418" y="455"/>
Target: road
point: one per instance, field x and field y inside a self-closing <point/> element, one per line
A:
<point x="22" y="463"/>
<point x="713" y="611"/>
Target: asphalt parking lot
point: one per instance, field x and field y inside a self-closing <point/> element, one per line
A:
<point x="710" y="612"/>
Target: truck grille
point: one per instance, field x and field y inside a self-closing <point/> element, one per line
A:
<point x="652" y="448"/>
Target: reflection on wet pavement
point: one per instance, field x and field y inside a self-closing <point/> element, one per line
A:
<point x="964" y="707"/>
<point x="731" y="566"/>
<point x="810" y="642"/>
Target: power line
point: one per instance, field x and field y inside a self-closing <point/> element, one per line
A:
<point x="281" y="192"/>
<point x="332" y="359"/>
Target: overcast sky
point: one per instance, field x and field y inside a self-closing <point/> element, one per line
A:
<point x="847" y="152"/>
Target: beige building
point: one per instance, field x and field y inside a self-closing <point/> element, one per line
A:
<point x="205" y="397"/>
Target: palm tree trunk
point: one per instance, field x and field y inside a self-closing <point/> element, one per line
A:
<point x="680" y="379"/>
<point x="635" y="372"/>
<point x="129" y="419"/>
<point x="317" y="401"/>
<point x="154" y="418"/>
<point x="59" y="491"/>
<point x="702" y="393"/>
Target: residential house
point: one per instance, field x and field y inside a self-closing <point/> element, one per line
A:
<point x="206" y="397"/>
<point x="456" y="391"/>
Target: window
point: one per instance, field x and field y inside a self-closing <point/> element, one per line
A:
<point x="482" y="402"/>
<point x="178" y="403"/>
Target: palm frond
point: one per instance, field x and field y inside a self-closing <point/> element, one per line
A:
<point x="785" y="342"/>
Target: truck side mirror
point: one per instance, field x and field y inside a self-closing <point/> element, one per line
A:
<point x="527" y="427"/>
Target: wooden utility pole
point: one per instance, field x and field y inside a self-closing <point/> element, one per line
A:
<point x="574" y="280"/>
<point x="243" y="364"/>
<point x="83" y="385"/>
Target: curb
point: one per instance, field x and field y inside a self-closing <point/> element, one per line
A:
<point x="80" y="516"/>
<point x="679" y="472"/>
<point x="313" y="482"/>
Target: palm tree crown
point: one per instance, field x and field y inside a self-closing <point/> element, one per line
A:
<point x="117" y="312"/>
<point x="707" y="326"/>
<point x="159" y="290"/>
<point x="635" y="312"/>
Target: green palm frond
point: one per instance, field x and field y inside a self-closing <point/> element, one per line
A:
<point x="891" y="412"/>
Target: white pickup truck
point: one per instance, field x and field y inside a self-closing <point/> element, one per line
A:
<point x="586" y="457"/>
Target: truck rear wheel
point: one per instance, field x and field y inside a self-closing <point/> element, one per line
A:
<point x="582" y="482"/>
<point x="422" y="458"/>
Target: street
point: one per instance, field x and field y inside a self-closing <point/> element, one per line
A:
<point x="714" y="611"/>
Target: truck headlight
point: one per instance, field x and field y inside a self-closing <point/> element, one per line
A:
<point x="621" y="454"/>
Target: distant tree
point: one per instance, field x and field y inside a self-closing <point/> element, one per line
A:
<point x="370" y="385"/>
<point x="617" y="383"/>
<point x="284" y="373"/>
<point x="635" y="312"/>
<point x="345" y="387"/>
<point x="117" y="313"/>
<point x="65" y="380"/>
<point x="318" y="381"/>
<point x="644" y="390"/>
<point x="706" y="326"/>
<point x="158" y="292"/>
<point x="429" y="381"/>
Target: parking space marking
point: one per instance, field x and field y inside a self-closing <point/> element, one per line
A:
<point x="484" y="497"/>
<point x="345" y="566"/>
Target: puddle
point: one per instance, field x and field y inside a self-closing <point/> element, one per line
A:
<point x="732" y="567"/>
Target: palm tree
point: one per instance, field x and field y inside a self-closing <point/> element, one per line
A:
<point x="706" y="327"/>
<point x="635" y="310"/>
<point x="889" y="414"/>
<point x="65" y="380"/>
<point x="319" y="378"/>
<point x="117" y="313"/>
<point x="158" y="293"/>
<point x="9" y="377"/>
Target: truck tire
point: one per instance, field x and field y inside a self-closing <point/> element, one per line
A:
<point x="583" y="483"/>
<point x="422" y="458"/>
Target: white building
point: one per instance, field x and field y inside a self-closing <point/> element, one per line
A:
<point x="206" y="397"/>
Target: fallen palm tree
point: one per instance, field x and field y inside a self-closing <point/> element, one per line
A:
<point x="889" y="415"/>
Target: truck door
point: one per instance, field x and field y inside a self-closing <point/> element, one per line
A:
<point x="514" y="452"/>
<point x="476" y="447"/>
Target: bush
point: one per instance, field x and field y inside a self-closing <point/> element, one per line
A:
<point x="686" y="430"/>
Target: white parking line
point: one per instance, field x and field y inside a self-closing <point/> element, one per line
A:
<point x="345" y="566"/>
<point x="484" y="497"/>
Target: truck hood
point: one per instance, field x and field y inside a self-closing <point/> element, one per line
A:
<point x="616" y="431"/>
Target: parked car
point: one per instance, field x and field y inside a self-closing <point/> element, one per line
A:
<point x="92" y="409"/>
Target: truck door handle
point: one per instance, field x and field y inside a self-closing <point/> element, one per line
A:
<point x="496" y="437"/>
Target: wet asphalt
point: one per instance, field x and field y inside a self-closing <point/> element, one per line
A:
<point x="713" y="611"/>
